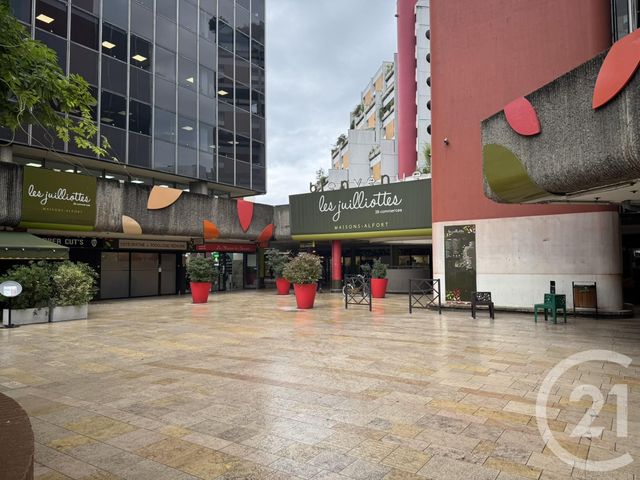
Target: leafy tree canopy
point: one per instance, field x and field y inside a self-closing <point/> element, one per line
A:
<point x="35" y="90"/>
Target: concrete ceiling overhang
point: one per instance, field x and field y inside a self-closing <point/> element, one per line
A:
<point x="582" y="154"/>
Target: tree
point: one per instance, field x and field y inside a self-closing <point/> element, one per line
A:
<point x="321" y="178"/>
<point x="426" y="153"/>
<point x="35" y="90"/>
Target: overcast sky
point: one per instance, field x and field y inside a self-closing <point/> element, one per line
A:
<point x="320" y="56"/>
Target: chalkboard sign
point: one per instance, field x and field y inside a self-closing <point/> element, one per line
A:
<point x="459" y="262"/>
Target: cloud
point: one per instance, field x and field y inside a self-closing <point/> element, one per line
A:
<point x="320" y="55"/>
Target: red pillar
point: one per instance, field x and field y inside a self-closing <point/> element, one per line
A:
<point x="407" y="88"/>
<point x="336" y="265"/>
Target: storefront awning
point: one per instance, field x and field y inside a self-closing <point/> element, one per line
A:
<point x="24" y="246"/>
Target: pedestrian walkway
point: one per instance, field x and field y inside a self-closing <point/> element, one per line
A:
<point x="247" y="387"/>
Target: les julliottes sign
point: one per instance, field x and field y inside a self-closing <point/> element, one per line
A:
<point x="56" y="200"/>
<point x="393" y="209"/>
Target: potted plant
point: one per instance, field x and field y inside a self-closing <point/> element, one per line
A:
<point x="74" y="285"/>
<point x="276" y="261"/>
<point x="379" y="280"/>
<point x="32" y="305"/>
<point x="202" y="272"/>
<point x="304" y="271"/>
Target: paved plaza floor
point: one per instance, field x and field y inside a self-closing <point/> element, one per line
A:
<point x="246" y="387"/>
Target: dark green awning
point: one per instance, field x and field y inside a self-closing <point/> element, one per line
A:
<point x="24" y="246"/>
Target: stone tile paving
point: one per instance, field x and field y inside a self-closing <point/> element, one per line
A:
<point x="246" y="387"/>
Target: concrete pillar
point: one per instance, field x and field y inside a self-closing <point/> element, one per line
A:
<point x="336" y="265"/>
<point x="6" y="154"/>
<point x="407" y="131"/>
<point x="199" y="187"/>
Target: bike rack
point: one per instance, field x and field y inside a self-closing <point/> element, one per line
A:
<point x="357" y="291"/>
<point x="424" y="293"/>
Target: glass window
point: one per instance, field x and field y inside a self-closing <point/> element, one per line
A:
<point x="114" y="42"/>
<point x="187" y="102"/>
<point x="207" y="82"/>
<point x="242" y="45"/>
<point x="245" y="3"/>
<point x="226" y="170"/>
<point x="148" y="4"/>
<point x="207" y="137"/>
<point x="117" y="142"/>
<point x="165" y="94"/>
<point x="243" y="72"/>
<point x="242" y="96"/>
<point x="243" y="174"/>
<point x="225" y="36"/>
<point x="225" y="116"/>
<point x="141" y="53"/>
<point x="257" y="104"/>
<point x="257" y="153"/>
<point x="187" y="132"/>
<point x="141" y="21"/>
<point x="187" y="43"/>
<point x="258" y="179"/>
<point x="165" y="64"/>
<point x="187" y="74"/>
<point x="225" y="89"/>
<point x="257" y="53"/>
<point x="257" y="128"/>
<point x="206" y="166"/>
<point x="139" y="150"/>
<point x="51" y="16"/>
<point x="187" y="162"/>
<point x="225" y="63"/>
<point x="225" y="143"/>
<point x="84" y="62"/>
<point x="243" y="148"/>
<point x="91" y="6"/>
<point x="84" y="28"/>
<point x="210" y="6"/>
<point x="116" y="12"/>
<point x="21" y="9"/>
<point x="139" y="117"/>
<point x="207" y="109"/>
<point x="166" y="33"/>
<point x="257" y="20"/>
<point x="225" y="11"/>
<point x="114" y="75"/>
<point x="114" y="110"/>
<point x="45" y="138"/>
<point x="56" y="43"/>
<point x="257" y="79"/>
<point x="188" y="15"/>
<point x="243" y="122"/>
<point x="243" y="20"/>
<point x="164" y="156"/>
<point x="165" y="125"/>
<point x="208" y="54"/>
<point x="140" y="85"/>
<point x="207" y="25"/>
<point x="167" y="8"/>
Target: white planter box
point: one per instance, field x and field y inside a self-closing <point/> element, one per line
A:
<point x="73" y="312"/>
<point x="26" y="316"/>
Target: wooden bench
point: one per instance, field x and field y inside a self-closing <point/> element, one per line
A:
<point x="552" y="303"/>
<point x="481" y="298"/>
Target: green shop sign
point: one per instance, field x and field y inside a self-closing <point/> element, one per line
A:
<point x="57" y="201"/>
<point x="387" y="210"/>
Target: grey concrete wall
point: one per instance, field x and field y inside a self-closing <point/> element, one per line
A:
<point x="578" y="148"/>
<point x="10" y="194"/>
<point x="282" y="221"/>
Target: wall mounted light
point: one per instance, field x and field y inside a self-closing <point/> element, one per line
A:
<point x="446" y="140"/>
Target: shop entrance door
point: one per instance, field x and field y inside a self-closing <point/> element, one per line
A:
<point x="251" y="270"/>
<point x="144" y="274"/>
<point x="168" y="275"/>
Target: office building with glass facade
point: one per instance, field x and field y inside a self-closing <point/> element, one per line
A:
<point x="180" y="88"/>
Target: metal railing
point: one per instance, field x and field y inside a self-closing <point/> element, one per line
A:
<point x="424" y="293"/>
<point x="357" y="290"/>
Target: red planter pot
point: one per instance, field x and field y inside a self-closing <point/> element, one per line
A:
<point x="200" y="291"/>
<point x="305" y="294"/>
<point x="283" y="286"/>
<point x="379" y="287"/>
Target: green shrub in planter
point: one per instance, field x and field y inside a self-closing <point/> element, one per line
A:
<point x="202" y="270"/>
<point x="276" y="261"/>
<point x="304" y="269"/>
<point x="73" y="284"/>
<point x="35" y="279"/>
<point x="379" y="269"/>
